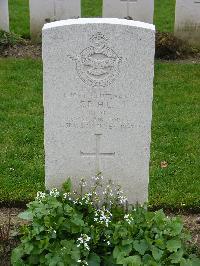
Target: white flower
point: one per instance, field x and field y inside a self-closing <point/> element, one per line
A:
<point x="103" y="216"/>
<point x="122" y="199"/>
<point x="66" y="195"/>
<point x="83" y="240"/>
<point x="119" y="192"/>
<point x="54" y="193"/>
<point x="40" y="195"/>
<point x="128" y="218"/>
<point x="108" y="243"/>
<point x="97" y="178"/>
<point x="83" y="263"/>
<point x="83" y="183"/>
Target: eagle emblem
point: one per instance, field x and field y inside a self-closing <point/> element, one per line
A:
<point x="97" y="65"/>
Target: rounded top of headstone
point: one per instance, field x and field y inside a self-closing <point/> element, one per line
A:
<point x="114" y="21"/>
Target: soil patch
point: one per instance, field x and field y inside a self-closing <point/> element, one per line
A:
<point x="22" y="50"/>
<point x="168" y="47"/>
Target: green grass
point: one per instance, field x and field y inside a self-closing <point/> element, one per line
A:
<point x="175" y="136"/>
<point x="21" y="123"/>
<point x="19" y="14"/>
<point x="91" y="8"/>
<point x="164" y="15"/>
<point x="19" y="17"/>
<point x="175" y="133"/>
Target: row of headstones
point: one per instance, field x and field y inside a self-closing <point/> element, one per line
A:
<point x="187" y="22"/>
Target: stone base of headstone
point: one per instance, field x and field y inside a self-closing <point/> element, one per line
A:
<point x="139" y="10"/>
<point x="46" y="11"/>
<point x="187" y="21"/>
<point x="4" y="15"/>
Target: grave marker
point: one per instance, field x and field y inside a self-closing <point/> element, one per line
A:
<point x="139" y="10"/>
<point x="4" y="15"/>
<point x="98" y="83"/>
<point x="187" y="21"/>
<point x="45" y="11"/>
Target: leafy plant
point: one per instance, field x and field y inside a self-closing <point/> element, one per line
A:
<point x="98" y="228"/>
<point x="8" y="39"/>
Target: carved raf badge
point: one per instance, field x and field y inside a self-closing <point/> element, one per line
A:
<point x="97" y="65"/>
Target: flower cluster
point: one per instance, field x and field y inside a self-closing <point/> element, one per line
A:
<point x="83" y="262"/>
<point x="40" y="196"/>
<point x="103" y="216"/>
<point x="121" y="198"/>
<point x="108" y="191"/>
<point x="97" y="178"/>
<point x="128" y="218"/>
<point x="54" y="193"/>
<point x="67" y="196"/>
<point x="83" y="240"/>
<point x="86" y="199"/>
<point x="83" y="183"/>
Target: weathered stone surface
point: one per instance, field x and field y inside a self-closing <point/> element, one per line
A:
<point x="187" y="21"/>
<point x="45" y="11"/>
<point x="139" y="10"/>
<point x="98" y="89"/>
<point x="4" y="15"/>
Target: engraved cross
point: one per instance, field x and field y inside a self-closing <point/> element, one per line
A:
<point x="97" y="154"/>
<point x="127" y="4"/>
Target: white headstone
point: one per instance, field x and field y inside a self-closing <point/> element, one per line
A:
<point x="187" y="21"/>
<point x="139" y="10"/>
<point x="44" y="11"/>
<point x="4" y="15"/>
<point x="98" y="89"/>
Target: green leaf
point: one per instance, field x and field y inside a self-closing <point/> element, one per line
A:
<point x="195" y="262"/>
<point x="67" y="185"/>
<point x="109" y="261"/>
<point x="148" y="260"/>
<point x="185" y="262"/>
<point x="157" y="253"/>
<point x="131" y="261"/>
<point x="16" y="256"/>
<point x="121" y="252"/>
<point x="28" y="247"/>
<point x="140" y="246"/>
<point x="176" y="226"/>
<point x="127" y="242"/>
<point x="173" y="245"/>
<point x="177" y="256"/>
<point x="27" y="215"/>
<point x="94" y="260"/>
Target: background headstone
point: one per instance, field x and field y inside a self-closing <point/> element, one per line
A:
<point x="139" y="10"/>
<point x="45" y="11"/>
<point x="4" y="15"/>
<point x="98" y="89"/>
<point x="187" y="21"/>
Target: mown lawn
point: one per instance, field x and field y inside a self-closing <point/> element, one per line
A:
<point x="19" y="17"/>
<point x="175" y="136"/>
<point x="175" y="133"/>
<point x="19" y="14"/>
<point x="21" y="124"/>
